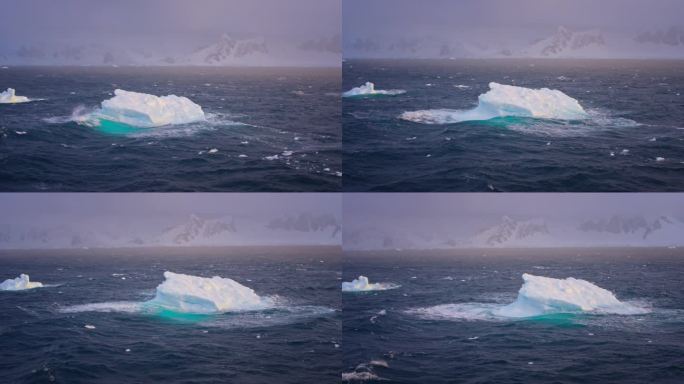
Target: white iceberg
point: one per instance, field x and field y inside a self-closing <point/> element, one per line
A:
<point x="19" y="284"/>
<point x="544" y="295"/>
<point x="362" y="285"/>
<point x="145" y="111"/>
<point x="200" y="295"/>
<point x="368" y="89"/>
<point x="507" y="100"/>
<point x="9" y="97"/>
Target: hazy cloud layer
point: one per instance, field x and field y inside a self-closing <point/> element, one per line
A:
<point x="492" y="28"/>
<point x="164" y="27"/>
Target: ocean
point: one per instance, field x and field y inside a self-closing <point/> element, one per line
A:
<point x="272" y="129"/>
<point x="632" y="140"/>
<point x="81" y="329"/>
<point x="431" y="329"/>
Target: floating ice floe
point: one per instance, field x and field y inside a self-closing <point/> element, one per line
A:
<point x="362" y="285"/>
<point x="9" y="97"/>
<point x="539" y="296"/>
<point x="202" y="295"/>
<point x="368" y="89"/>
<point x="507" y="100"/>
<point x="144" y="111"/>
<point x="19" y="284"/>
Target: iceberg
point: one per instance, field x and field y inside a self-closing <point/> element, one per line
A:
<point x="544" y="295"/>
<point x="539" y="296"/>
<point x="200" y="295"/>
<point x="368" y="89"/>
<point x="504" y="101"/>
<point x="9" y="97"/>
<point x="19" y="284"/>
<point x="362" y="285"/>
<point x="144" y="111"/>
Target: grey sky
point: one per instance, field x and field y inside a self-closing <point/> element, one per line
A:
<point x="463" y="208"/>
<point x="138" y="208"/>
<point x="510" y="28"/>
<point x="410" y="16"/>
<point x="30" y="20"/>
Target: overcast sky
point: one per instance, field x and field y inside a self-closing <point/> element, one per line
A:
<point x="37" y="21"/>
<point x="474" y="28"/>
<point x="465" y="208"/>
<point x="420" y="17"/>
<point x="140" y="208"/>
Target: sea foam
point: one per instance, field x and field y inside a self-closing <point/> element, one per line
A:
<point x="9" y="97"/>
<point x="507" y="100"/>
<point x="19" y="284"/>
<point x="368" y="89"/>
<point x="142" y="110"/>
<point x="362" y="285"/>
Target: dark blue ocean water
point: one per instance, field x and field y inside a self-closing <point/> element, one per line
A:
<point x="256" y="113"/>
<point x="383" y="338"/>
<point x="40" y="343"/>
<point x="636" y="108"/>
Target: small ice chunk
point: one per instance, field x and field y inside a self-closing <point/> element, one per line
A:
<point x="361" y="284"/>
<point x="368" y="89"/>
<point x="9" y="97"/>
<point x="659" y="159"/>
<point x="89" y="326"/>
<point x="213" y="150"/>
<point x="19" y="284"/>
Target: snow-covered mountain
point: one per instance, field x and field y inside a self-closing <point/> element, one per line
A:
<point x="508" y="232"/>
<point x="561" y="43"/>
<point x="296" y="229"/>
<point x="567" y="43"/>
<point x="673" y="36"/>
<point x="229" y="51"/>
<point x="226" y="50"/>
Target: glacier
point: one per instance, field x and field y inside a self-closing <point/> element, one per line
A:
<point x="19" y="284"/>
<point x="368" y="89"/>
<point x="362" y="285"/>
<point x="9" y="97"/>
<point x="507" y="101"/>
<point x="142" y="110"/>
<point x="201" y="295"/>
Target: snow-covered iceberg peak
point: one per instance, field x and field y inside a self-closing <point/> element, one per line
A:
<point x="10" y="97"/>
<point x="20" y="283"/>
<point x="507" y="100"/>
<point x="544" y="295"/>
<point x="368" y="89"/>
<point x="201" y="295"/>
<point x="362" y="285"/>
<point x="145" y="111"/>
